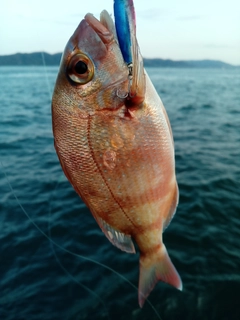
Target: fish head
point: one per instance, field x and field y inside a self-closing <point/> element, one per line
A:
<point x="92" y="70"/>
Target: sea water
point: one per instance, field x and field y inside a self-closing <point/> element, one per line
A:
<point x="52" y="279"/>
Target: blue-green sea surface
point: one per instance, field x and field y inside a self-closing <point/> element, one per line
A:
<point x="40" y="279"/>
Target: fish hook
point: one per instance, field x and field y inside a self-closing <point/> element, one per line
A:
<point x="121" y="95"/>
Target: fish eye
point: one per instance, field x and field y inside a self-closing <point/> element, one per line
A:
<point x="80" y="69"/>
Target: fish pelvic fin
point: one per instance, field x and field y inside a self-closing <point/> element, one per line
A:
<point x="117" y="238"/>
<point x="156" y="267"/>
<point x="173" y="207"/>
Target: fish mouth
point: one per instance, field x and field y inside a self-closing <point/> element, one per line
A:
<point x="97" y="40"/>
<point x="106" y="31"/>
<point x="102" y="27"/>
<point x="92" y="36"/>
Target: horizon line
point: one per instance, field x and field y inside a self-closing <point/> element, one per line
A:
<point x="148" y="58"/>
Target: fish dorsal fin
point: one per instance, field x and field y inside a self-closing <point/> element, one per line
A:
<point x="117" y="238"/>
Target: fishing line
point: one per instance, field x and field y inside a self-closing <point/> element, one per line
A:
<point x="65" y="270"/>
<point x="70" y="252"/>
<point x="49" y="218"/>
<point x="46" y="75"/>
<point x="53" y="242"/>
<point x="62" y="248"/>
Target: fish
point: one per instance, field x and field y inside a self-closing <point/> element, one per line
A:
<point x="114" y="142"/>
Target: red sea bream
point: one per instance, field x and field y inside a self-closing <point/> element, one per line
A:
<point x="114" y="142"/>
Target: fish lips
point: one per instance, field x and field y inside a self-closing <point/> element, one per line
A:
<point x="91" y="37"/>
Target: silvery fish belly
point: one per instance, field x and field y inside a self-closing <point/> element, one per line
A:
<point x="114" y="142"/>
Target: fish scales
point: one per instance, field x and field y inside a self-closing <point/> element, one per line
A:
<point x="117" y="149"/>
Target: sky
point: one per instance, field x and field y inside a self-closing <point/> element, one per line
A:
<point x="170" y="29"/>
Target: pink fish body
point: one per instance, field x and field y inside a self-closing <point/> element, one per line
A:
<point x="117" y="149"/>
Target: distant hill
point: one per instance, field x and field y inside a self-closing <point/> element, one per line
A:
<point x="39" y="58"/>
<point x="30" y="59"/>
<point x="186" y="64"/>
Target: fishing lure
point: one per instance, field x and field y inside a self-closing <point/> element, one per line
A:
<point x="125" y="23"/>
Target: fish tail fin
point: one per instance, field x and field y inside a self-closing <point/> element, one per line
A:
<point x="153" y="268"/>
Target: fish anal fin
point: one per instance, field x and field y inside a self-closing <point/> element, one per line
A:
<point x="117" y="238"/>
<point x="153" y="268"/>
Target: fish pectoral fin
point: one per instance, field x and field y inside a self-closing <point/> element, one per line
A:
<point x="156" y="267"/>
<point x="117" y="238"/>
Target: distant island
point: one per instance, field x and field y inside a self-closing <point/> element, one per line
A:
<point x="41" y="58"/>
